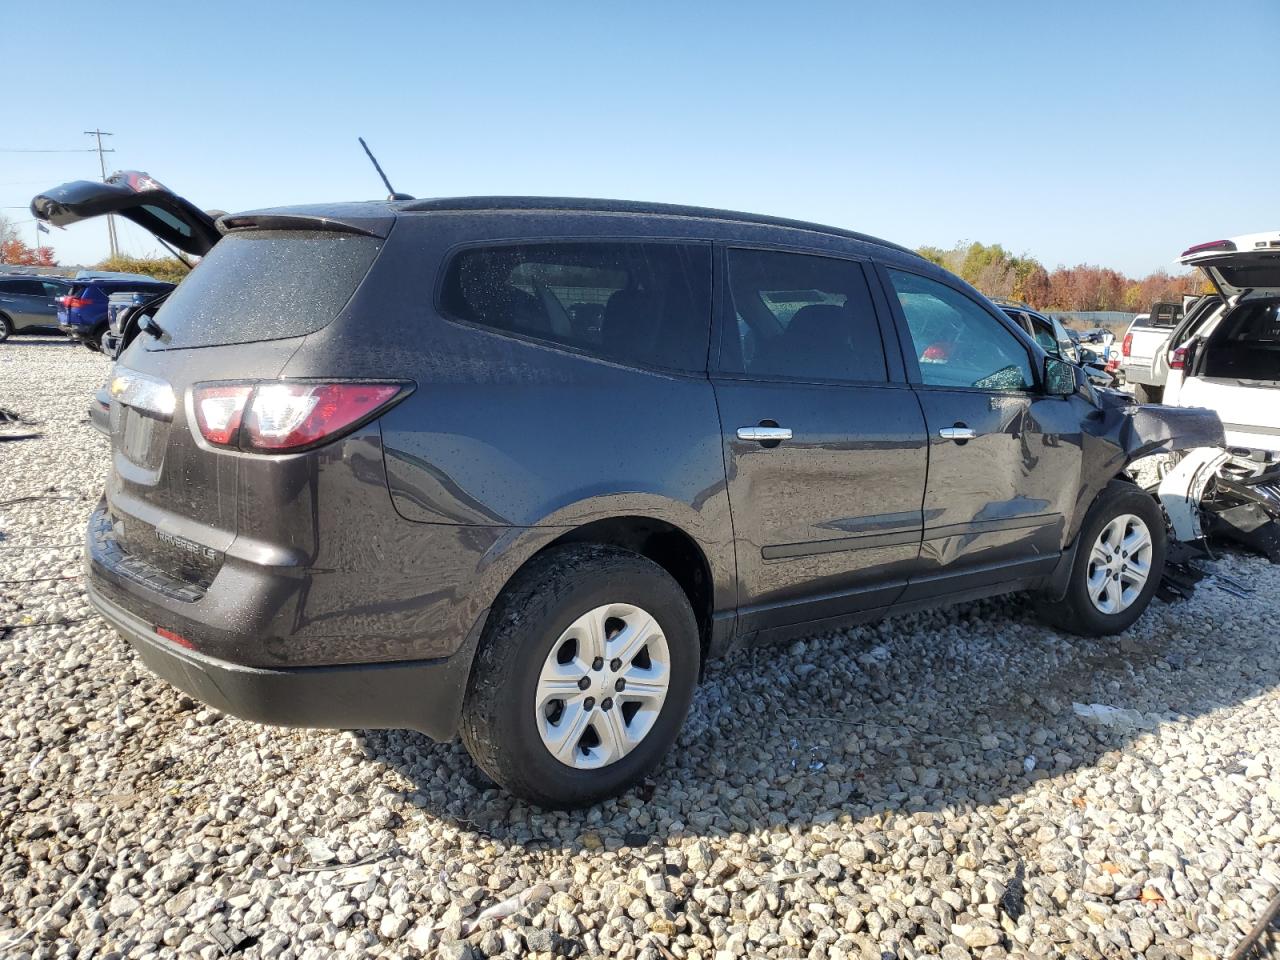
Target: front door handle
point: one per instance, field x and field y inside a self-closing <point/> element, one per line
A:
<point x="764" y="434"/>
<point x="959" y="432"/>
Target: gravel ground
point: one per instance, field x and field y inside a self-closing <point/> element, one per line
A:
<point x="917" y="788"/>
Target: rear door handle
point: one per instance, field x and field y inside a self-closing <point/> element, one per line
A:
<point x="958" y="432"/>
<point x="764" y="434"/>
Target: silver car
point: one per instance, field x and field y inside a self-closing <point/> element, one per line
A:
<point x="29" y="304"/>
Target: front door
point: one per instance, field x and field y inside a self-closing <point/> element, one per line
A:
<point x="1004" y="459"/>
<point x="25" y="302"/>
<point x="824" y="442"/>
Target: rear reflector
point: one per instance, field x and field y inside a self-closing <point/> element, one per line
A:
<point x="283" y="417"/>
<point x="1127" y="345"/>
<point x="1178" y="359"/>
<point x="175" y="638"/>
<point x="1224" y="245"/>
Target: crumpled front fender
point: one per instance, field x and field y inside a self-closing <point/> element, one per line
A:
<point x="1121" y="430"/>
<point x="1154" y="428"/>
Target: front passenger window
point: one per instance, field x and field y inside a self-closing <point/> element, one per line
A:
<point x="957" y="342"/>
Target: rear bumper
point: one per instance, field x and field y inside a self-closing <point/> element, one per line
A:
<point x="1140" y="373"/>
<point x="1243" y="436"/>
<point x="422" y="695"/>
<point x="77" y="331"/>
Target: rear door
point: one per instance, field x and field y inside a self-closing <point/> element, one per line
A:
<point x="824" y="442"/>
<point x="174" y="501"/>
<point x="1004" y="460"/>
<point x="24" y="301"/>
<point x="1246" y="264"/>
<point x="136" y="196"/>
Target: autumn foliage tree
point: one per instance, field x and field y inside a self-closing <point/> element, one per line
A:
<point x="14" y="252"/>
<point x="1084" y="287"/>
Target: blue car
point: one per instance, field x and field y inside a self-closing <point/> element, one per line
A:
<point x="82" y="313"/>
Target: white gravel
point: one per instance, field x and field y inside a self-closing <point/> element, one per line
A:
<point x="917" y="788"/>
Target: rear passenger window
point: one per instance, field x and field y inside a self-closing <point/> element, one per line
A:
<point x="802" y="317"/>
<point x="26" y="288"/>
<point x="635" y="302"/>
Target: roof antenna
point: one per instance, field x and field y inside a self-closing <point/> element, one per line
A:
<point x="392" y="195"/>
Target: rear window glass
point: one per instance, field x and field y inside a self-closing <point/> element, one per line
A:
<point x="265" y="285"/>
<point x="1252" y="275"/>
<point x="168" y="219"/>
<point x="635" y="302"/>
<point x="1255" y="322"/>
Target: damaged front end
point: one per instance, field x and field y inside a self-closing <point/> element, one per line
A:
<point x="1142" y="430"/>
<point x="1226" y="498"/>
<point x="1121" y="431"/>
<point x="1206" y="491"/>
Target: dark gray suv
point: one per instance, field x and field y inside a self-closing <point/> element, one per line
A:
<point x="516" y="468"/>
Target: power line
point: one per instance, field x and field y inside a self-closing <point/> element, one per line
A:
<point x="78" y="150"/>
<point x="111" y="221"/>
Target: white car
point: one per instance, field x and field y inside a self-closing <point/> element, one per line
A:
<point x="1230" y="362"/>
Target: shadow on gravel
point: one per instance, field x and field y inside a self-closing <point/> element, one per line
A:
<point x="934" y="712"/>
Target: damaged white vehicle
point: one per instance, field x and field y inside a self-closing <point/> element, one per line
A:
<point x="1227" y="359"/>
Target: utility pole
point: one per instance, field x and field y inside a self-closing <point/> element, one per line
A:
<point x="102" y="163"/>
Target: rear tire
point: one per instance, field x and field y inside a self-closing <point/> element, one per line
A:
<point x="1147" y="394"/>
<point x="542" y="635"/>
<point x="6" y="328"/>
<point x="1103" y="596"/>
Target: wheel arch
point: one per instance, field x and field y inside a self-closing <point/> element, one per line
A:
<point x="669" y="546"/>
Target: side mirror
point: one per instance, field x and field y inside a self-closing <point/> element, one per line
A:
<point x="1059" y="377"/>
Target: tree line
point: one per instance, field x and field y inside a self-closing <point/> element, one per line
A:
<point x="998" y="273"/>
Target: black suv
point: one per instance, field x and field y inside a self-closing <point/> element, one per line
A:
<point x="517" y="467"/>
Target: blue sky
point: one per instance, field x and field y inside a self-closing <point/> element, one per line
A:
<point x="1109" y="133"/>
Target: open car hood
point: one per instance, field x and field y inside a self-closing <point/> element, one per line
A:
<point x="136" y="196"/>
<point x="1246" y="264"/>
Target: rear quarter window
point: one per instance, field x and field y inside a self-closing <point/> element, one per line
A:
<point x="635" y="302"/>
<point x="265" y="285"/>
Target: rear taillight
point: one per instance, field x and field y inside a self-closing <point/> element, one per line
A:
<point x="283" y="417"/>
<point x="1127" y="345"/>
<point x="219" y="410"/>
<point x="1178" y="358"/>
<point x="74" y="303"/>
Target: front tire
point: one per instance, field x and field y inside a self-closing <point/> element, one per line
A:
<point x="584" y="674"/>
<point x="6" y="328"/>
<point x="1118" y="564"/>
